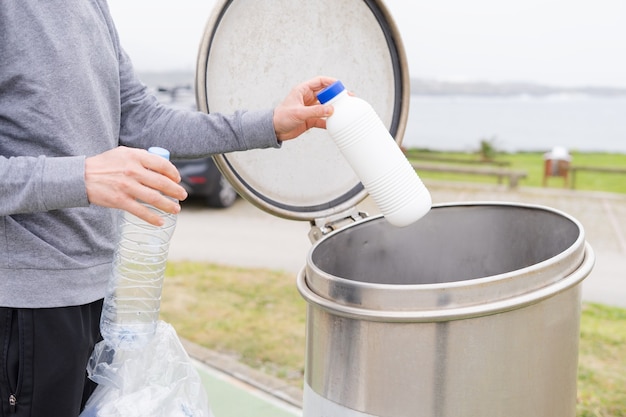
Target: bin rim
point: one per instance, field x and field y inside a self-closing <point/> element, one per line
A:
<point x="450" y="314"/>
<point x="580" y="255"/>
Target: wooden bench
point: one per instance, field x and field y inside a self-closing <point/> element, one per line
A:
<point x="607" y="170"/>
<point x="468" y="161"/>
<point x="501" y="173"/>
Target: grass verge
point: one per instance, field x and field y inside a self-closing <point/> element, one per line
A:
<point x="602" y="362"/>
<point x="258" y="316"/>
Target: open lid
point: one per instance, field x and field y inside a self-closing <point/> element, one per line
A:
<point x="253" y="52"/>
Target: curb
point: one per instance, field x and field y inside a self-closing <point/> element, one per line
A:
<point x="255" y="379"/>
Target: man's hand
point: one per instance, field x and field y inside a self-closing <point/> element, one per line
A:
<point x="301" y="111"/>
<point x="121" y="176"/>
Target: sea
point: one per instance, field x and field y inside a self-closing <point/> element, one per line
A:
<point x="577" y="122"/>
<point x="519" y="123"/>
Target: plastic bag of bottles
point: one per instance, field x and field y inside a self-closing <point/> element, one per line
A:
<point x="157" y="381"/>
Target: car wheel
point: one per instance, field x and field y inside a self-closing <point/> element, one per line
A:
<point x="224" y="195"/>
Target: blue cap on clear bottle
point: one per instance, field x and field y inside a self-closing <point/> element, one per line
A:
<point x="156" y="150"/>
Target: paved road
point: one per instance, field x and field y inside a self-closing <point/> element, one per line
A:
<point x="244" y="235"/>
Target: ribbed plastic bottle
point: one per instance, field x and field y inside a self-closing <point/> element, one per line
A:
<point x="132" y="303"/>
<point x="375" y="157"/>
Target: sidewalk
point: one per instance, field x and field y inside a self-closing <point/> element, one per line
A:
<point x="231" y="397"/>
<point x="236" y="390"/>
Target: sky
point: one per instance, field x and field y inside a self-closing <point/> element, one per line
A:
<point x="553" y="42"/>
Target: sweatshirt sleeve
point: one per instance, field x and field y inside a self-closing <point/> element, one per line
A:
<point x="41" y="183"/>
<point x="145" y="122"/>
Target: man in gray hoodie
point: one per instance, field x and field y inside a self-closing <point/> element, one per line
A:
<point x="74" y="125"/>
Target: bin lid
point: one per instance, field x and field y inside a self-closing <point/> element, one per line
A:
<point x="251" y="55"/>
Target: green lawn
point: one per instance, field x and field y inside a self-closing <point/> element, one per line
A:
<point x="533" y="164"/>
<point x="602" y="362"/>
<point x="258" y="316"/>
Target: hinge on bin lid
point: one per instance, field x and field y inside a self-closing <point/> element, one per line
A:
<point x="323" y="226"/>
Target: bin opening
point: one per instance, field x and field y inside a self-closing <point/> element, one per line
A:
<point x="450" y="244"/>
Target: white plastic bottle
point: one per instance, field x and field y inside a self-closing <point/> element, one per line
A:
<point x="375" y="157"/>
<point x="132" y="303"/>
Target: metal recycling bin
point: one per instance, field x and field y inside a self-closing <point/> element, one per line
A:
<point x="472" y="311"/>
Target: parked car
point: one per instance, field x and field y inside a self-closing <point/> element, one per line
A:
<point x="202" y="179"/>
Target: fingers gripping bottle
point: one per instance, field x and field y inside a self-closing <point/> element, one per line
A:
<point x="132" y="303"/>
<point x="375" y="157"/>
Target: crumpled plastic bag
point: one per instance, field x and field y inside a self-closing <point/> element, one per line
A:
<point x="158" y="380"/>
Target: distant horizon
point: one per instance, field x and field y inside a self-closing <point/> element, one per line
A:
<point x="488" y="87"/>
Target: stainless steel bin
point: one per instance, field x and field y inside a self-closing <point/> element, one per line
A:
<point x="472" y="311"/>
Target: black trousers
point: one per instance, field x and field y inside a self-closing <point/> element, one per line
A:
<point x="44" y="357"/>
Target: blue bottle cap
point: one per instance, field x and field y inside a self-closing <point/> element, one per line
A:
<point x="330" y="92"/>
<point x="162" y="152"/>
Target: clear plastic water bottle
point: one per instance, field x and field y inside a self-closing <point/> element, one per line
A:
<point x="375" y="157"/>
<point x="132" y="303"/>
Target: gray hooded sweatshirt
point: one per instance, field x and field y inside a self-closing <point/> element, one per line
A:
<point x="68" y="91"/>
